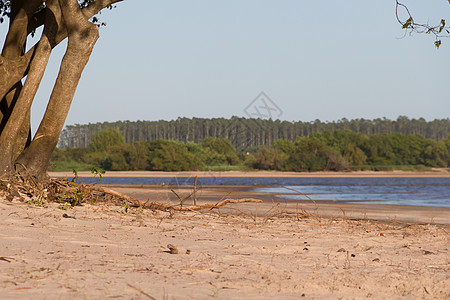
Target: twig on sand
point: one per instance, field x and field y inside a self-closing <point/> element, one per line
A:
<point x="195" y="190"/>
<point x="275" y="211"/>
<point x="241" y="211"/>
<point x="179" y="198"/>
<point x="140" y="291"/>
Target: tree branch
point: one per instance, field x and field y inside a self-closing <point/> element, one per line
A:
<point x="411" y="26"/>
<point x="21" y="69"/>
<point x="17" y="33"/>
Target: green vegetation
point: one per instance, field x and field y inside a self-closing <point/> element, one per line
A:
<point x="338" y="150"/>
<point x="246" y="133"/>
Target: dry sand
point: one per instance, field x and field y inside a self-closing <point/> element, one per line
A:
<point x="103" y="252"/>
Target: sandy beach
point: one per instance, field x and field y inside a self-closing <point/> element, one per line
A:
<point x="101" y="252"/>
<point x="245" y="251"/>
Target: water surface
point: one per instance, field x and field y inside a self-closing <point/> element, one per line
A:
<point x="427" y="191"/>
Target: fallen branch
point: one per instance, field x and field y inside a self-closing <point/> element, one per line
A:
<point x="163" y="206"/>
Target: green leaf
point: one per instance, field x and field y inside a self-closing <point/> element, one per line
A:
<point x="75" y="175"/>
<point x="442" y="25"/>
<point x="407" y="23"/>
<point x="437" y="43"/>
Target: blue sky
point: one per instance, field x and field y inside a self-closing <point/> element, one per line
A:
<point x="208" y="58"/>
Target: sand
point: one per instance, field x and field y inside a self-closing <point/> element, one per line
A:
<point x="109" y="252"/>
<point x="102" y="252"/>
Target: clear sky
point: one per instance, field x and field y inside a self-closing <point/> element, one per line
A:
<point x="210" y="58"/>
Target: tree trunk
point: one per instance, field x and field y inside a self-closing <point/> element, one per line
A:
<point x="61" y="19"/>
<point x="16" y="131"/>
<point x="82" y="36"/>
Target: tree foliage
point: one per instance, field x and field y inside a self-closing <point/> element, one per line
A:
<point x="338" y="150"/>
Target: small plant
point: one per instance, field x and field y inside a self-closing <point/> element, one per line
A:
<point x="65" y="206"/>
<point x="75" y="178"/>
<point x="125" y="206"/>
<point x="37" y="201"/>
<point x="74" y="198"/>
<point x="96" y="172"/>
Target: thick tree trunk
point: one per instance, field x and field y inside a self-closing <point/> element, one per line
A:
<point x="82" y="36"/>
<point x="18" y="123"/>
<point x="12" y="59"/>
<point x="60" y="19"/>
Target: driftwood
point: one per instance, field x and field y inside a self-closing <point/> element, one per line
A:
<point x="62" y="191"/>
<point x="163" y="206"/>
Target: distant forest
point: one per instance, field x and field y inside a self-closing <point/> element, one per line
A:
<point x="339" y="150"/>
<point x="246" y="133"/>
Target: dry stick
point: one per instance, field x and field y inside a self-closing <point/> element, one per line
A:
<point x="179" y="198"/>
<point x="296" y="212"/>
<point x="343" y="212"/>
<point x="222" y="199"/>
<point x="241" y="211"/>
<point x="141" y="291"/>
<point x="301" y="194"/>
<point x="28" y="173"/>
<point x="270" y="211"/>
<point x="195" y="190"/>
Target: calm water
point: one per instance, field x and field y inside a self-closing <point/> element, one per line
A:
<point x="394" y="191"/>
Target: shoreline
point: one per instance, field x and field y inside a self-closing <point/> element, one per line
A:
<point x="352" y="174"/>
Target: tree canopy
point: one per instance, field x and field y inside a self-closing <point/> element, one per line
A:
<point x="337" y="150"/>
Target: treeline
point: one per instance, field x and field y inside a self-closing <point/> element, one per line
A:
<point x="246" y="133"/>
<point x="338" y="150"/>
